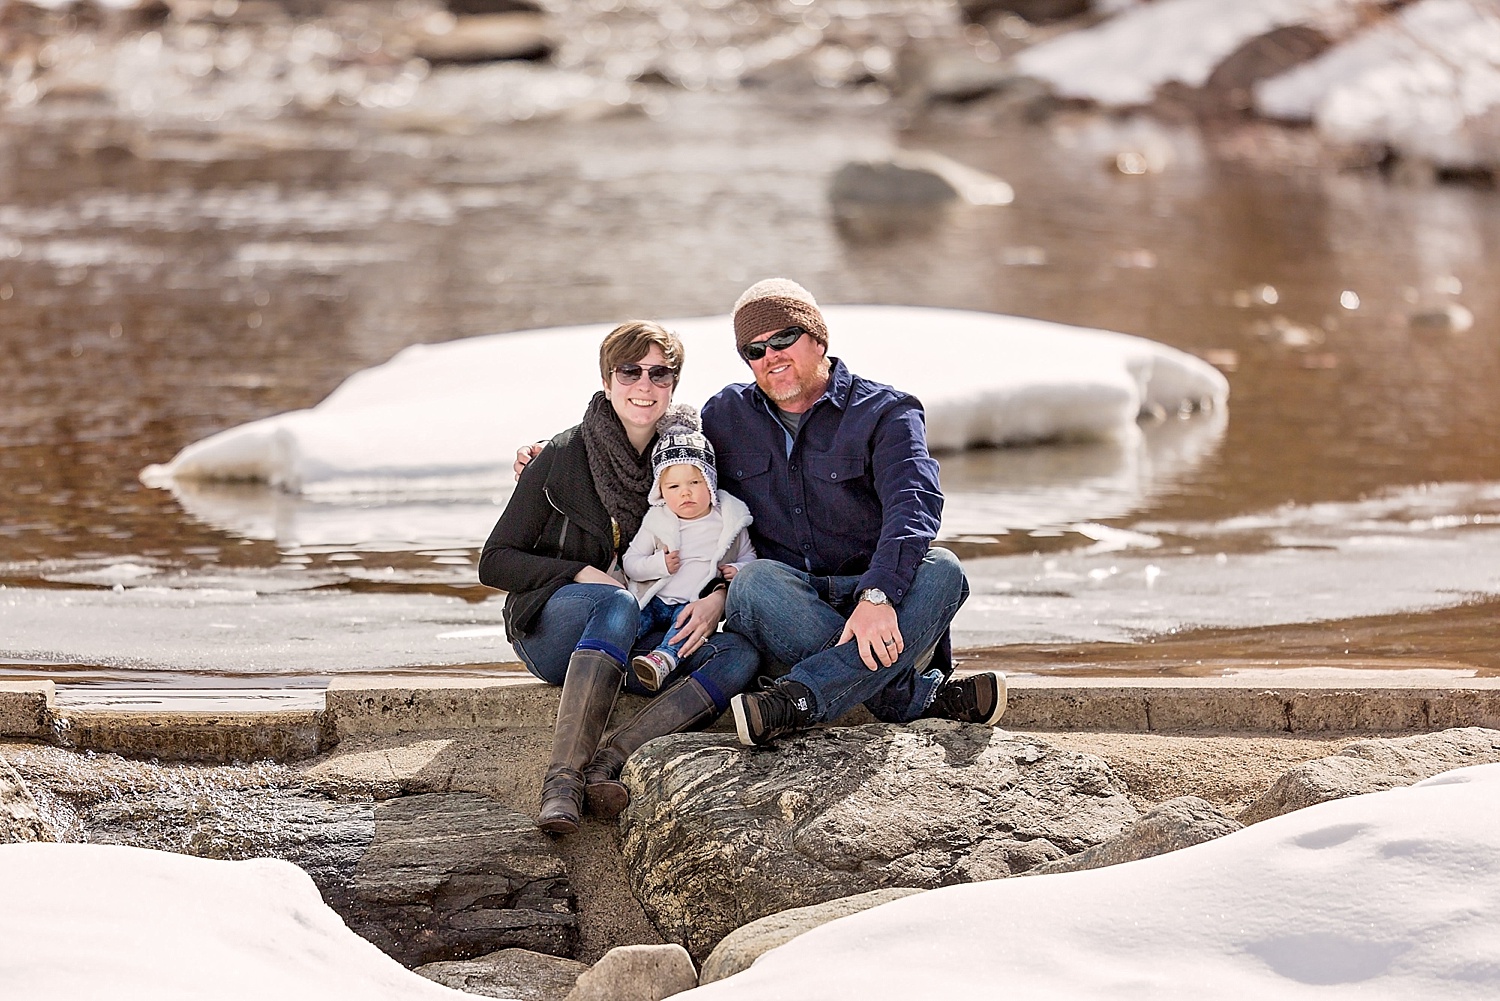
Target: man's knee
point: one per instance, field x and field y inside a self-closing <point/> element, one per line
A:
<point x="755" y="582"/>
<point x="942" y="571"/>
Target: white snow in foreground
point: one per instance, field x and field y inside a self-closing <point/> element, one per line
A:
<point x="1415" y="82"/>
<point x="1122" y="61"/>
<point x="1394" y="895"/>
<point x="82" y="922"/>
<point x="445" y="419"/>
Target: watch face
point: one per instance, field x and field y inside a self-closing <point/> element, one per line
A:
<point x="875" y="596"/>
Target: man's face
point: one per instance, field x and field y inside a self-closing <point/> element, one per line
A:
<point x="685" y="490"/>
<point x="793" y="376"/>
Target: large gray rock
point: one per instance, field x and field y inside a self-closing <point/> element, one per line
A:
<point x="1374" y="766"/>
<point x="743" y="946"/>
<point x="426" y="878"/>
<point x="509" y="973"/>
<point x="1177" y="823"/>
<point x="718" y="835"/>
<point x="20" y="819"/>
<point x="637" y="973"/>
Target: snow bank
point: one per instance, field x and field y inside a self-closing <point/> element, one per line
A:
<point x="1416" y="82"/>
<point x="94" y="921"/>
<point x="444" y="420"/>
<point x="1122" y="61"/>
<point x="1394" y="895"/>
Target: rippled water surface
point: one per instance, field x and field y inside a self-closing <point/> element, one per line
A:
<point x="163" y="280"/>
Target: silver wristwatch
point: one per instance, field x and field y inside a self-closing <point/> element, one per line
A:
<point x="874" y="596"/>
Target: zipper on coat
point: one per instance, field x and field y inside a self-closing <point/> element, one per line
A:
<point x="562" y="536"/>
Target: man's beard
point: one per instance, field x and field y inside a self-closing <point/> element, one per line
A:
<point x="819" y="375"/>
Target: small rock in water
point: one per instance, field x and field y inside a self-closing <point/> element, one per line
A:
<point x="917" y="177"/>
<point x="482" y="38"/>
<point x="1449" y="319"/>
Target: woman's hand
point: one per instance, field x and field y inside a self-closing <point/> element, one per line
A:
<point x="593" y="575"/>
<point x="525" y="454"/>
<point x="697" y="622"/>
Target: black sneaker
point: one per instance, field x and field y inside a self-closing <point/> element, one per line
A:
<point x="761" y="717"/>
<point x="979" y="698"/>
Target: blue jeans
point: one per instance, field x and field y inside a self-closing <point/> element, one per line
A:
<point x="796" y="618"/>
<point x="607" y="618"/>
<point x="656" y="619"/>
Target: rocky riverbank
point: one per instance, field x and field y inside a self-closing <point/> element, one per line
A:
<point x="423" y="843"/>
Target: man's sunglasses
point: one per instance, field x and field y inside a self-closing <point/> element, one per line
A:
<point x="781" y="340"/>
<point x="660" y="375"/>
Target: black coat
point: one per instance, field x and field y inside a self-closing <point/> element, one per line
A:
<point x="554" y="525"/>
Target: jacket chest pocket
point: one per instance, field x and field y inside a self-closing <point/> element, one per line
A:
<point x="743" y="467"/>
<point x="838" y="470"/>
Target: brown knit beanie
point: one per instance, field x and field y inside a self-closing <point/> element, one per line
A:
<point x="774" y="304"/>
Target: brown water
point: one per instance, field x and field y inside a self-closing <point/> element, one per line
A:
<point x="163" y="280"/>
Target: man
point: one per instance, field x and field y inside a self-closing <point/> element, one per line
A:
<point x="849" y="596"/>
<point x="846" y="502"/>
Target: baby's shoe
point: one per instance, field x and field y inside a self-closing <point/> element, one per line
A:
<point x="651" y="669"/>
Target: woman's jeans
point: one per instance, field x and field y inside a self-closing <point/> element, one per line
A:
<point x="608" y="618"/>
<point x="796" y="618"/>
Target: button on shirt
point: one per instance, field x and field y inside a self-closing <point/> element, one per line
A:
<point x="854" y="493"/>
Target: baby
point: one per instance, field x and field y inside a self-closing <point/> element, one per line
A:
<point x="693" y="533"/>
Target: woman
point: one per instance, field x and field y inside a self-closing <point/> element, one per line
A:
<point x="556" y="549"/>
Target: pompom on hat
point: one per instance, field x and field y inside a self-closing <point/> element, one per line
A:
<point x="680" y="441"/>
<point x="775" y="304"/>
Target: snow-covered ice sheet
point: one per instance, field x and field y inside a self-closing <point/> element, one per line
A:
<point x="1384" y="897"/>
<point x="445" y="419"/>
<point x="1121" y="62"/>
<point x="1416" y="82"/>
<point x="95" y="921"/>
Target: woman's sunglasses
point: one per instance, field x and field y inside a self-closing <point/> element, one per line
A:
<point x="660" y="375"/>
<point x="781" y="340"/>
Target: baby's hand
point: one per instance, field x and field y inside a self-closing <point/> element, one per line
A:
<point x="674" y="560"/>
<point x="728" y="570"/>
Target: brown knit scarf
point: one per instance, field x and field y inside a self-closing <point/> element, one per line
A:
<point x="622" y="476"/>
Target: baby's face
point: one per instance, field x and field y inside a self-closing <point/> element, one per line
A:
<point x="685" y="491"/>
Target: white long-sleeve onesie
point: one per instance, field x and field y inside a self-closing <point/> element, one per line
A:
<point x="720" y="536"/>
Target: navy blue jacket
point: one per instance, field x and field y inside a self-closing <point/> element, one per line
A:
<point x="854" y="494"/>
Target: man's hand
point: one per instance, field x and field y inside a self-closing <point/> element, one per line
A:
<point x="674" y="560"/>
<point x="525" y="454"/>
<point x="593" y="575"/>
<point x="697" y="622"/>
<point x="874" y="629"/>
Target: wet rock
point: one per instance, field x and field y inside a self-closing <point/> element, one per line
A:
<point x="717" y="836"/>
<point x="927" y="73"/>
<point x="1449" y="319"/>
<point x="509" y="973"/>
<point x="1032" y="11"/>
<point x="916" y="177"/>
<point x="20" y="819"/>
<point x="637" y="973"/>
<point x="426" y="878"/>
<point x="1374" y="766"/>
<point x="1177" y="823"/>
<point x="463" y="8"/>
<point x="1230" y="87"/>
<point x="484" y="38"/>
<point x="745" y="945"/>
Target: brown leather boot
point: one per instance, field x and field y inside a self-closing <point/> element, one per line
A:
<point x="684" y="706"/>
<point x="588" y="697"/>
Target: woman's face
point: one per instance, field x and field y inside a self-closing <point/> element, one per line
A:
<point x="641" y="404"/>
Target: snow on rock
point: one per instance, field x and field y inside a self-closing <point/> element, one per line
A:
<point x="1419" y="82"/>
<point x="1392" y="895"/>
<point x="445" y="419"/>
<point x="92" y="921"/>
<point x="1122" y="61"/>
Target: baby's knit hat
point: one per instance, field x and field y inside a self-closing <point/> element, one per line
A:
<point x="679" y="439"/>
<point x="775" y="304"/>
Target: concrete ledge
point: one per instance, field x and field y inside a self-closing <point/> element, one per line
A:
<point x="196" y="736"/>
<point x="26" y="709"/>
<point x="373" y="707"/>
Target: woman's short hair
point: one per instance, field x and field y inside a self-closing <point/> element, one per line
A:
<point x="630" y="341"/>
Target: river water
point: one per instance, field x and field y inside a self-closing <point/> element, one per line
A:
<point x="162" y="279"/>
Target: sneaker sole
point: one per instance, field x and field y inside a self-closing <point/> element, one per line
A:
<point x="1001" y="696"/>
<point x="645" y="673"/>
<point x="741" y="723"/>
